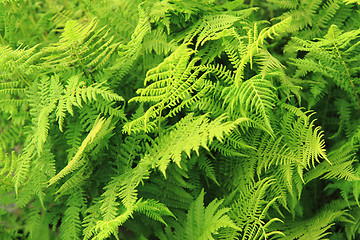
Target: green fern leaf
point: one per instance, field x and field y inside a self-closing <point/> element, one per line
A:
<point x="202" y="222"/>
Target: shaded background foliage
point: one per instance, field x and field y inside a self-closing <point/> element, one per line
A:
<point x="179" y="119"/>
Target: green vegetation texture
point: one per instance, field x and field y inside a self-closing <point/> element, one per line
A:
<point x="179" y="119"/>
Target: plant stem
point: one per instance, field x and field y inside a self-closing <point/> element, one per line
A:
<point x="348" y="74"/>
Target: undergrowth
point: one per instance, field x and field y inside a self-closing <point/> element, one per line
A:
<point x="179" y="119"/>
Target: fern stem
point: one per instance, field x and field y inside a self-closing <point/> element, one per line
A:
<point x="32" y="20"/>
<point x="22" y="78"/>
<point x="67" y="5"/>
<point x="44" y="37"/>
<point x="348" y="74"/>
<point x="81" y="63"/>
<point x="2" y="40"/>
<point x="159" y="123"/>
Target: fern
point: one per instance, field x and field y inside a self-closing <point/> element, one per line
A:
<point x="199" y="133"/>
<point x="351" y="1"/>
<point x="255" y="95"/>
<point x="117" y="116"/>
<point x="72" y="222"/>
<point x="82" y="46"/>
<point x="317" y="227"/>
<point x="77" y="93"/>
<point x="250" y="218"/>
<point x="169" y="87"/>
<point x="202" y="222"/>
<point x="78" y="160"/>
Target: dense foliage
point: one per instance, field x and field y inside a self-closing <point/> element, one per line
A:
<point x="179" y="119"/>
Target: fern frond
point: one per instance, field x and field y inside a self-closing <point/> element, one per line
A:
<point x="78" y="160"/>
<point x="328" y="57"/>
<point x="77" y="180"/>
<point x="351" y="1"/>
<point x="212" y="28"/>
<point x="254" y="95"/>
<point x="249" y="211"/>
<point x="109" y="206"/>
<point x="34" y="223"/>
<point x="76" y="93"/>
<point x="153" y="209"/>
<point x="90" y="220"/>
<point x="45" y="169"/>
<point x="9" y="163"/>
<point x="80" y="45"/>
<point x="174" y="191"/>
<point x="232" y="51"/>
<point x="173" y="81"/>
<point x="220" y="72"/>
<point x="189" y="135"/>
<point x="206" y="165"/>
<point x="203" y="222"/>
<point x="267" y="62"/>
<point x="10" y="136"/>
<point x="71" y="225"/>
<point x="104" y="229"/>
<point x="157" y="41"/>
<point x="341" y="167"/>
<point x="150" y="208"/>
<point x="289" y="4"/>
<point x="316" y="227"/>
<point x="23" y="166"/>
<point x="327" y="12"/>
<point x="18" y="64"/>
<point x="132" y="50"/>
<point x="201" y="132"/>
<point x="43" y="98"/>
<point x="280" y="27"/>
<point x="128" y="191"/>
